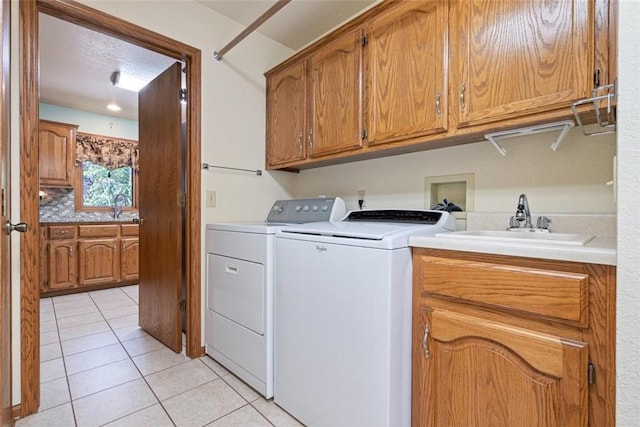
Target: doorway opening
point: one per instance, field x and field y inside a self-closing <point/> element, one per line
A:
<point x="29" y="202"/>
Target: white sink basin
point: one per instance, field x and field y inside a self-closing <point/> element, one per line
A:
<point x="522" y="237"/>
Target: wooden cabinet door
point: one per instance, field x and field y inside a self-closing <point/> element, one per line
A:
<point x="129" y="267"/>
<point x="99" y="261"/>
<point x="287" y="115"/>
<point x="473" y="372"/>
<point x="63" y="264"/>
<point x="406" y="79"/>
<point x="336" y="96"/>
<point x="513" y="58"/>
<point x="57" y="153"/>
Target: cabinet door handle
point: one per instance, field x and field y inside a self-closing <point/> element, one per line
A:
<point x="438" y="109"/>
<point x="425" y="345"/>
<point x="462" y="104"/>
<point x="310" y="138"/>
<point x="70" y="252"/>
<point x="300" y="141"/>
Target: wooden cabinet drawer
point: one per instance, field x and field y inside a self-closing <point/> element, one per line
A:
<point x="110" y="230"/>
<point x="58" y="232"/>
<point x="555" y="294"/>
<point x="129" y="229"/>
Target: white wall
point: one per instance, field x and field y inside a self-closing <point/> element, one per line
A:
<point x="233" y="116"/>
<point x="98" y="124"/>
<point x="628" y="312"/>
<point x="570" y="180"/>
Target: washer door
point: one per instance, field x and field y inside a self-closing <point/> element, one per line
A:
<point x="236" y="291"/>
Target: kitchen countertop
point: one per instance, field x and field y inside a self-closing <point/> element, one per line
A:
<point x="600" y="250"/>
<point x="81" y="220"/>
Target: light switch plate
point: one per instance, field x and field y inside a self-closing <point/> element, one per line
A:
<point x="211" y="199"/>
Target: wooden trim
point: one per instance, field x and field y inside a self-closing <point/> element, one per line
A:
<point x="16" y="412"/>
<point x="192" y="239"/>
<point x="29" y="210"/>
<point x="98" y="21"/>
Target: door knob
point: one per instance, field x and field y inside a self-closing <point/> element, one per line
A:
<point x="20" y="227"/>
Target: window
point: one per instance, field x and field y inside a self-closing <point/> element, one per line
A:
<point x="101" y="185"/>
<point x="106" y="167"/>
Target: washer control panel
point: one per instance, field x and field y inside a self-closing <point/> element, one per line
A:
<point x="298" y="211"/>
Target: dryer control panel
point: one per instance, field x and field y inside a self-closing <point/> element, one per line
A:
<point x="299" y="211"/>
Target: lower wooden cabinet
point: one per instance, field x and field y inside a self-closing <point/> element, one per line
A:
<point x="78" y="257"/>
<point x="129" y="265"/>
<point x="504" y="341"/>
<point x="99" y="261"/>
<point x="62" y="264"/>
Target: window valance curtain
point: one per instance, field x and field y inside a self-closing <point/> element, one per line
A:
<point x="112" y="153"/>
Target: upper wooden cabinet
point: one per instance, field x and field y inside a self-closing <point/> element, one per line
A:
<point x="413" y="75"/>
<point x="511" y="58"/>
<point x="287" y="115"/>
<point x="336" y="96"/>
<point x="57" y="153"/>
<point x="406" y="72"/>
<point x="314" y="107"/>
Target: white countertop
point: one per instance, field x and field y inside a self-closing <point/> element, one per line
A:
<point x="600" y="250"/>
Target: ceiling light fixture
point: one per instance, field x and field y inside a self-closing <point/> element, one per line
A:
<point x="127" y="82"/>
<point x="114" y="107"/>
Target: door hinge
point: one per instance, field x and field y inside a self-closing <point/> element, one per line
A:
<point x="363" y="134"/>
<point x="183" y="95"/>
<point x="365" y="40"/>
<point x="596" y="78"/>
<point x="591" y="373"/>
<point x="181" y="199"/>
<point x="182" y="305"/>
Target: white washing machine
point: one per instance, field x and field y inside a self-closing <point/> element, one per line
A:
<point x="343" y="317"/>
<point x="240" y="283"/>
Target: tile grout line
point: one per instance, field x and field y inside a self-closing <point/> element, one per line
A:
<point x="138" y="369"/>
<point x="64" y="364"/>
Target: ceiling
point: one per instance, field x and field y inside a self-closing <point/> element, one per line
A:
<point x="76" y="63"/>
<point x="295" y="25"/>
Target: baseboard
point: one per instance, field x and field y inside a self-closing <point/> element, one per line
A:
<point x="16" y="412"/>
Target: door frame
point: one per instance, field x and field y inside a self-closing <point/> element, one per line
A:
<point x="6" y="417"/>
<point x="93" y="19"/>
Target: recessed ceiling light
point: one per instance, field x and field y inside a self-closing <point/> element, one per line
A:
<point x="127" y="82"/>
<point x="114" y="107"/>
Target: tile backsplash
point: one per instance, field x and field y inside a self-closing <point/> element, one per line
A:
<point x="58" y="205"/>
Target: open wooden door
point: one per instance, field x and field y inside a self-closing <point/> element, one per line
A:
<point x="5" y="261"/>
<point x="161" y="205"/>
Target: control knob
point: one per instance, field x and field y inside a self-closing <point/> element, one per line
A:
<point x="277" y="209"/>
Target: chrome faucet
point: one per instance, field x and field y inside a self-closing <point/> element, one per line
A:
<point x="117" y="208"/>
<point x="523" y="213"/>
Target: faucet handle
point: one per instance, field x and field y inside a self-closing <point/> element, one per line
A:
<point x="514" y="222"/>
<point x="543" y="222"/>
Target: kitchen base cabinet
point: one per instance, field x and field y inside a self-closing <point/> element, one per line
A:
<point x="129" y="260"/>
<point x="99" y="261"/>
<point x="62" y="264"/>
<point x="82" y="257"/>
<point x="505" y="341"/>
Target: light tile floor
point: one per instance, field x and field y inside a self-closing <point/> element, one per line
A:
<point x="99" y="368"/>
